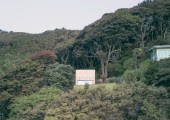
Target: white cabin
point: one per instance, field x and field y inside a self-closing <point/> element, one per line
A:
<point x="160" y="52"/>
<point x="84" y="77"/>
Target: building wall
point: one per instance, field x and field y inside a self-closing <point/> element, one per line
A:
<point x="85" y="76"/>
<point x="154" y="55"/>
<point x="163" y="53"/>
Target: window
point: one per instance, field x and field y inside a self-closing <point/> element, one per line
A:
<point x="84" y="82"/>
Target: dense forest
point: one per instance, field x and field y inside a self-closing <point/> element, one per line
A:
<point x="37" y="71"/>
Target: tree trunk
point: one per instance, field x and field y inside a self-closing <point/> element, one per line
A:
<point x="142" y="44"/>
<point x="166" y="30"/>
<point x="104" y="66"/>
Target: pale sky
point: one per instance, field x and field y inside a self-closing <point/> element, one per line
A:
<point x="36" y="16"/>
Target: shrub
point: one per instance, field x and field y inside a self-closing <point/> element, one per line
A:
<point x="115" y="69"/>
<point x="137" y="74"/>
<point x="26" y="79"/>
<point x="115" y="80"/>
<point x="124" y="102"/>
<point x="158" y="73"/>
<point x="86" y="86"/>
<point x="137" y="52"/>
<point x="5" y="101"/>
<point x="145" y="65"/>
<point x="132" y="76"/>
<point x="61" y="76"/>
<point x="129" y="64"/>
<point x="33" y="107"/>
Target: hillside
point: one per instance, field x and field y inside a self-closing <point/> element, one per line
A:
<point x="15" y="47"/>
<point x="124" y="102"/>
<point x="37" y="71"/>
<point x="111" y="40"/>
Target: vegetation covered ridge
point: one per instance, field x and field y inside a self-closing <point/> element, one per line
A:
<point x="37" y="71"/>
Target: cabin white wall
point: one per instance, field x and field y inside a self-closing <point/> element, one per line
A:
<point x="162" y="54"/>
<point x="85" y="77"/>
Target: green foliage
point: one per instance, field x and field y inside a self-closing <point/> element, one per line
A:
<point x="61" y="76"/>
<point x="144" y="65"/>
<point x="29" y="77"/>
<point x="158" y="73"/>
<point x="125" y="26"/>
<point x="158" y="11"/>
<point x="121" y="31"/>
<point x="137" y="52"/>
<point x="25" y="79"/>
<point x="7" y="63"/>
<point x="33" y="107"/>
<point x="131" y="76"/>
<point x="124" y="102"/>
<point x="86" y="86"/>
<point x="114" y="30"/>
<point x="5" y="100"/>
<point x="138" y="56"/>
<point x="115" y="69"/>
<point x="14" y="46"/>
<point x="118" y="80"/>
<point x="129" y="64"/>
<point x="109" y="86"/>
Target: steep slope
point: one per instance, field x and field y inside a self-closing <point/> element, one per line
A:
<point x="15" y="47"/>
<point x="142" y="27"/>
<point x="118" y="42"/>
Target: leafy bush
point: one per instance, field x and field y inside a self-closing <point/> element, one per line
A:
<point x="138" y="56"/>
<point x="115" y="69"/>
<point x="16" y="46"/>
<point x="5" y="100"/>
<point x="115" y="80"/>
<point x="6" y="63"/>
<point x="61" y="76"/>
<point x="33" y="107"/>
<point x="29" y="77"/>
<point x="131" y="76"/>
<point x="124" y="102"/>
<point x="129" y="64"/>
<point x="137" y="74"/>
<point x="158" y="73"/>
<point x="145" y="65"/>
<point x="26" y="79"/>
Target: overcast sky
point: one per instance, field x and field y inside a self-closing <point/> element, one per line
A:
<point x="35" y="16"/>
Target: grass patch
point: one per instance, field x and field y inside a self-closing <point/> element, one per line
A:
<point x="109" y="86"/>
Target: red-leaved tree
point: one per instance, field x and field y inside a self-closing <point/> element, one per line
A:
<point x="44" y="57"/>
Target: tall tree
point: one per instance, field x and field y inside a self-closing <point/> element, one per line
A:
<point x="105" y="38"/>
<point x="145" y="29"/>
